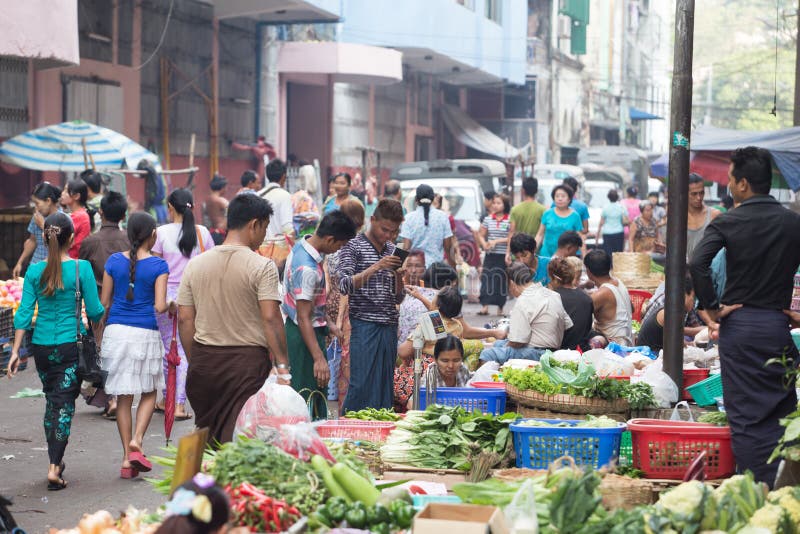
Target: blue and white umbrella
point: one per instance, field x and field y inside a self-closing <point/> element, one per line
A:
<point x="60" y="148"/>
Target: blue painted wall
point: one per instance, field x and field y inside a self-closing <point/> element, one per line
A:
<point x="446" y="27"/>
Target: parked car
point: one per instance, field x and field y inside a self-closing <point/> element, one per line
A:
<point x="546" y="173"/>
<point x="490" y="174"/>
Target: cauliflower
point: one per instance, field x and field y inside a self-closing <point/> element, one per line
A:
<point x="773" y="518"/>
<point x="788" y="498"/>
<point x="689" y="504"/>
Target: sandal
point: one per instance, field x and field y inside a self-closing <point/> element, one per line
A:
<point x="481" y="312"/>
<point x="139" y="462"/>
<point x="183" y="417"/>
<point x="56" y="485"/>
<point x="128" y="472"/>
<point x="159" y="408"/>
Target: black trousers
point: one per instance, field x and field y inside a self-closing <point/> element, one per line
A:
<point x="57" y="366"/>
<point x="494" y="282"/>
<point x="614" y="243"/>
<point x="756" y="396"/>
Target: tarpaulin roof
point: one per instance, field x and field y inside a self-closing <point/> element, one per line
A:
<point x="469" y="132"/>
<point x="639" y="115"/>
<point x="711" y="147"/>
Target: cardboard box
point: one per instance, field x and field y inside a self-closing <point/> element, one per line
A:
<point x="437" y="518"/>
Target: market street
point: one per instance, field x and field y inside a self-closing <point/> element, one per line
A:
<point x="92" y="458"/>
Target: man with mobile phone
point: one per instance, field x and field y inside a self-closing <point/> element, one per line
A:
<point x="369" y="272"/>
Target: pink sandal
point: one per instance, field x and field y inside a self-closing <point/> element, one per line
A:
<point x="128" y="472"/>
<point x="139" y="462"/>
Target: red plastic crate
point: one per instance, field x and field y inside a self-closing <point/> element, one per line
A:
<point x="691" y="377"/>
<point x="356" y="429"/>
<point x="489" y="385"/>
<point x="665" y="449"/>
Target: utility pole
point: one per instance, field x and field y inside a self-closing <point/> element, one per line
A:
<point x="680" y="128"/>
<point x="797" y="72"/>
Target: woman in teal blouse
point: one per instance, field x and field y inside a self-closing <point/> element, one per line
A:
<point x="51" y="285"/>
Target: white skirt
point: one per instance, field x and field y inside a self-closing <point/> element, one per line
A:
<point x="133" y="358"/>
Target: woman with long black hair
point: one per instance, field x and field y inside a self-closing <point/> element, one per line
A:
<point x="51" y="285"/>
<point x="74" y="198"/>
<point x="134" y="289"/>
<point x="178" y="242"/>
<point x="45" y="198"/>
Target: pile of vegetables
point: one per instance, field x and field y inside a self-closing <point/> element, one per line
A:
<point x="568" y="501"/>
<point x="447" y="437"/>
<point x="277" y="474"/>
<point x="714" y="418"/>
<point x="639" y="395"/>
<point x="590" y="422"/>
<point x="132" y="521"/>
<point x="373" y="414"/>
<point x="256" y="510"/>
<point x="338" y="513"/>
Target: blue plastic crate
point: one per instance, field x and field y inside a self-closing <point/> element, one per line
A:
<point x="537" y="447"/>
<point x="491" y="401"/>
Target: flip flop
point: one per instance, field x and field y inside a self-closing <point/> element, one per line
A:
<point x="158" y="409"/>
<point x="482" y="313"/>
<point x="56" y="485"/>
<point x="128" y="472"/>
<point x="139" y="462"/>
<point x="110" y="416"/>
<point x="184" y="417"/>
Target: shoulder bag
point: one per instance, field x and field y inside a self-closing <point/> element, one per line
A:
<point x="89" y="369"/>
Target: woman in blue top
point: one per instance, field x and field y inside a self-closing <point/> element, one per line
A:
<point x="135" y="288"/>
<point x="613" y="221"/>
<point x="51" y="285"/>
<point x="557" y="220"/>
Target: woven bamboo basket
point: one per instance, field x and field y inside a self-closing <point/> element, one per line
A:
<point x="625" y="492"/>
<point x="566" y="404"/>
<point x="517" y="473"/>
<point x="650" y="282"/>
<point x="635" y="264"/>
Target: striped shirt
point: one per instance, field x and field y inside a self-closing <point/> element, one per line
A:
<point x="375" y="301"/>
<point x="498" y="229"/>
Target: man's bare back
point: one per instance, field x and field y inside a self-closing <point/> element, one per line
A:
<point x="216" y="209"/>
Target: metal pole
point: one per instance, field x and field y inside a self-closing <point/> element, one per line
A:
<point x="680" y="126"/>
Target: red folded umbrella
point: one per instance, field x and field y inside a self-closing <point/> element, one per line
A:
<point x="173" y="361"/>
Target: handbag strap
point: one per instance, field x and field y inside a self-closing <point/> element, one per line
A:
<point x="200" y="239"/>
<point x="78" y="298"/>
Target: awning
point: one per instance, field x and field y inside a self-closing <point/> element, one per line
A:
<point x="345" y="62"/>
<point x="41" y="30"/>
<point x="278" y="11"/>
<point x="469" y="132"/>
<point x="639" y="115"/>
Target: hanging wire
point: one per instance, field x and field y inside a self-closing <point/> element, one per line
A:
<point x="777" y="32"/>
<point x="161" y="39"/>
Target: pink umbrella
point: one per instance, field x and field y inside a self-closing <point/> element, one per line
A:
<point x="173" y="361"/>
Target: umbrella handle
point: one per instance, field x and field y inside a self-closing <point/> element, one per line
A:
<point x="175" y="328"/>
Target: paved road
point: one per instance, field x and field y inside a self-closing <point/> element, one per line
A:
<point x="92" y="458"/>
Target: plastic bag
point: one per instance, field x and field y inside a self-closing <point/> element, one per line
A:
<point x="618" y="349"/>
<point x="606" y="363"/>
<point x="277" y="414"/>
<point x="676" y="413"/>
<point x="637" y="360"/>
<point x="334" y="354"/>
<point x="566" y="356"/>
<point x="559" y="375"/>
<point x="521" y="513"/>
<point x="664" y="389"/>
<point x="485" y="373"/>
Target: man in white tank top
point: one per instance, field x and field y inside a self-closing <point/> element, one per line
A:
<point x="612" y="303"/>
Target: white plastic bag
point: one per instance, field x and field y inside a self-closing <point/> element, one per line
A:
<point x="664" y="389"/>
<point x="637" y="360"/>
<point x="606" y="363"/>
<point x="676" y="413"/>
<point x="485" y="373"/>
<point x="567" y="356"/>
<point x="272" y="406"/>
<point x="521" y="513"/>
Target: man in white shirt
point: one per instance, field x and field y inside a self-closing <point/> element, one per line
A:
<point x="537" y="322"/>
<point x="280" y="199"/>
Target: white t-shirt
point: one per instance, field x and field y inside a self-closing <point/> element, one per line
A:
<point x="167" y="238"/>
<point x="538" y="318"/>
<point x="282" y="213"/>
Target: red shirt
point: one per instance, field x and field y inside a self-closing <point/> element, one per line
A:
<point x="80" y="220"/>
